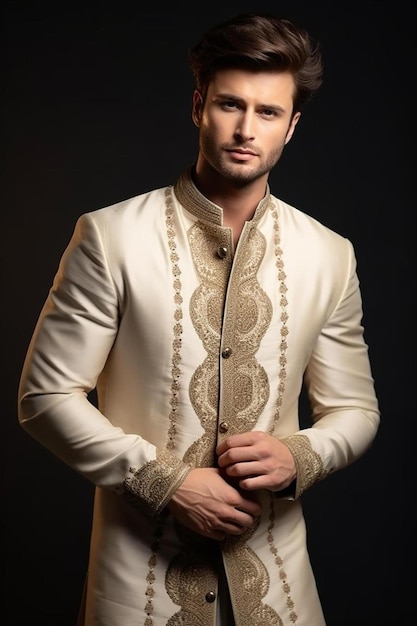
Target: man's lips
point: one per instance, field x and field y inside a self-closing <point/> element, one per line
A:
<point x="241" y="154"/>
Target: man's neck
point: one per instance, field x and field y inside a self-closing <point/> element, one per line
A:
<point x="238" y="201"/>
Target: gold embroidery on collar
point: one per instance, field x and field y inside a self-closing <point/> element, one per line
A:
<point x="203" y="209"/>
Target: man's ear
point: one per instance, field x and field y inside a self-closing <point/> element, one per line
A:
<point x="292" y="126"/>
<point x="197" y="110"/>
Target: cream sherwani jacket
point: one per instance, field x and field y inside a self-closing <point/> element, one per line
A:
<point x="188" y="340"/>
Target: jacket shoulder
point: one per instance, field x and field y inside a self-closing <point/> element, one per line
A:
<point x="293" y="216"/>
<point x="131" y="208"/>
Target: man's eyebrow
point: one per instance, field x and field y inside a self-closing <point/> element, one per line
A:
<point x="234" y="98"/>
<point x="228" y="96"/>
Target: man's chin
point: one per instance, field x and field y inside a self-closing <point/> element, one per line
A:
<point x="242" y="176"/>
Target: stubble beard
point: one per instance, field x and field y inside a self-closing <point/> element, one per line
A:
<point x="237" y="173"/>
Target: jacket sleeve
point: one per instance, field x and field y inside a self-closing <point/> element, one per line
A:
<point x="340" y="388"/>
<point x="67" y="353"/>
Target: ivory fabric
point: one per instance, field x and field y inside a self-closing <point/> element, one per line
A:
<point x="189" y="340"/>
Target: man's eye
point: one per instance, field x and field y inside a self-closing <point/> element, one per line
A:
<point x="230" y="104"/>
<point x="268" y="113"/>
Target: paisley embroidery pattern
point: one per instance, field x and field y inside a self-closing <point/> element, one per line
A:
<point x="191" y="578"/>
<point x="249" y="581"/>
<point x="151" y="486"/>
<point x="308" y="463"/>
<point x="245" y="320"/>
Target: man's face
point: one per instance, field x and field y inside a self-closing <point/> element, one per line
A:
<point x="245" y="122"/>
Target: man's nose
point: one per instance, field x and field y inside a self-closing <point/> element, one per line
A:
<point x="246" y="126"/>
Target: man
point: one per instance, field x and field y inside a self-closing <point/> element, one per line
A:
<point x="197" y="311"/>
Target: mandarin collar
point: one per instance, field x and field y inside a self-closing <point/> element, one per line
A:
<point x="201" y="207"/>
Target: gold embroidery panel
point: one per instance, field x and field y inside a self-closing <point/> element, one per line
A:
<point x="247" y="318"/>
<point x="250" y="316"/>
<point x="190" y="576"/>
<point x="249" y="581"/>
<point x="308" y="463"/>
<point x="149" y="487"/>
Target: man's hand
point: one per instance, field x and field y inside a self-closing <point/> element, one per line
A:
<point x="212" y="507"/>
<point x="257" y="461"/>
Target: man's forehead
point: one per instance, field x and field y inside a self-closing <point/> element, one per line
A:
<point x="272" y="87"/>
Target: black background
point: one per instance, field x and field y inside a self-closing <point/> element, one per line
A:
<point x="96" y="108"/>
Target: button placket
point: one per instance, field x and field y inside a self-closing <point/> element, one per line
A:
<point x="223" y="254"/>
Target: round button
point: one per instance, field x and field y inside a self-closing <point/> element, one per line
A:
<point x="226" y="353"/>
<point x="222" y="252"/>
<point x="224" y="427"/>
<point x="210" y="596"/>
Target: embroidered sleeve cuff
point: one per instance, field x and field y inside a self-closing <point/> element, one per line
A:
<point x="151" y="487"/>
<point x="308" y="463"/>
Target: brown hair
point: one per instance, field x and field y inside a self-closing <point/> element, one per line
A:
<point x="258" y="42"/>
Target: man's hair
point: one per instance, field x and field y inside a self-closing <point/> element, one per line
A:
<point x="258" y="42"/>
